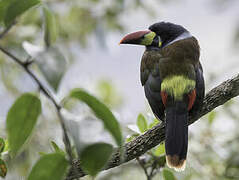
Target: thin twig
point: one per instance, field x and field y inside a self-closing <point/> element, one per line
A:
<point x="154" y="165"/>
<point x="143" y="167"/>
<point x="5" y="31"/>
<point x="25" y="66"/>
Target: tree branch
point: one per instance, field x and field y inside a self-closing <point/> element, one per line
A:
<point x="25" y="65"/>
<point x="141" y="144"/>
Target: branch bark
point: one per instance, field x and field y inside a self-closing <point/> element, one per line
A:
<point x="140" y="145"/>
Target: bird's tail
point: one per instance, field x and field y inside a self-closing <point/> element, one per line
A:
<point x="176" y="143"/>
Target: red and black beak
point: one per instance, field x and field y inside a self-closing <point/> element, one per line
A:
<point x="139" y="38"/>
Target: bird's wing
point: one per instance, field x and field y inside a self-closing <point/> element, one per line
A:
<point x="200" y="89"/>
<point x="150" y="79"/>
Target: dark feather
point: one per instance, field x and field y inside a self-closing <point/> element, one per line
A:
<point x="200" y="89"/>
<point x="154" y="97"/>
<point x="151" y="80"/>
<point x="177" y="130"/>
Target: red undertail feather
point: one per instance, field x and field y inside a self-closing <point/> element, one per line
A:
<point x="164" y="97"/>
<point x="192" y="97"/>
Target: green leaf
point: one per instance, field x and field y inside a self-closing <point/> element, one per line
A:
<point x="56" y="147"/>
<point x="52" y="64"/>
<point x="168" y="175"/>
<point x="154" y="123"/>
<point x="211" y="117"/>
<point x="160" y="150"/>
<point x="17" y="8"/>
<point x="101" y="111"/>
<point x="21" y="119"/>
<point x="6" y="147"/>
<point x="49" y="167"/>
<point x="230" y="102"/>
<point x="42" y="153"/>
<point x="50" y="27"/>
<point x="108" y="93"/>
<point x="3" y="168"/>
<point x="95" y="156"/>
<point x="3" y="8"/>
<point x="162" y="161"/>
<point x="2" y="145"/>
<point x="142" y="123"/>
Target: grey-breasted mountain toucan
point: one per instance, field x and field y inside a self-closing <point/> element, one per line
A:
<point x="173" y="82"/>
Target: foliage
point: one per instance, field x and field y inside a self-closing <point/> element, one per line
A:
<point x="154" y="160"/>
<point x="142" y="123"/>
<point x="16" y="8"/>
<point x="21" y="120"/>
<point x="101" y="111"/>
<point x="53" y="65"/>
<point x="50" y="26"/>
<point x="108" y="94"/>
<point x="49" y="167"/>
<point x="95" y="156"/>
<point x="56" y="148"/>
<point x="168" y="175"/>
<point x="3" y="166"/>
<point x="2" y="145"/>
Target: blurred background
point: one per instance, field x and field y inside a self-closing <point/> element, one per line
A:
<point x="86" y="36"/>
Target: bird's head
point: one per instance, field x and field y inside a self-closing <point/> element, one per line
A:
<point x="159" y="35"/>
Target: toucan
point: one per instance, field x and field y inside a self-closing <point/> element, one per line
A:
<point x="173" y="81"/>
